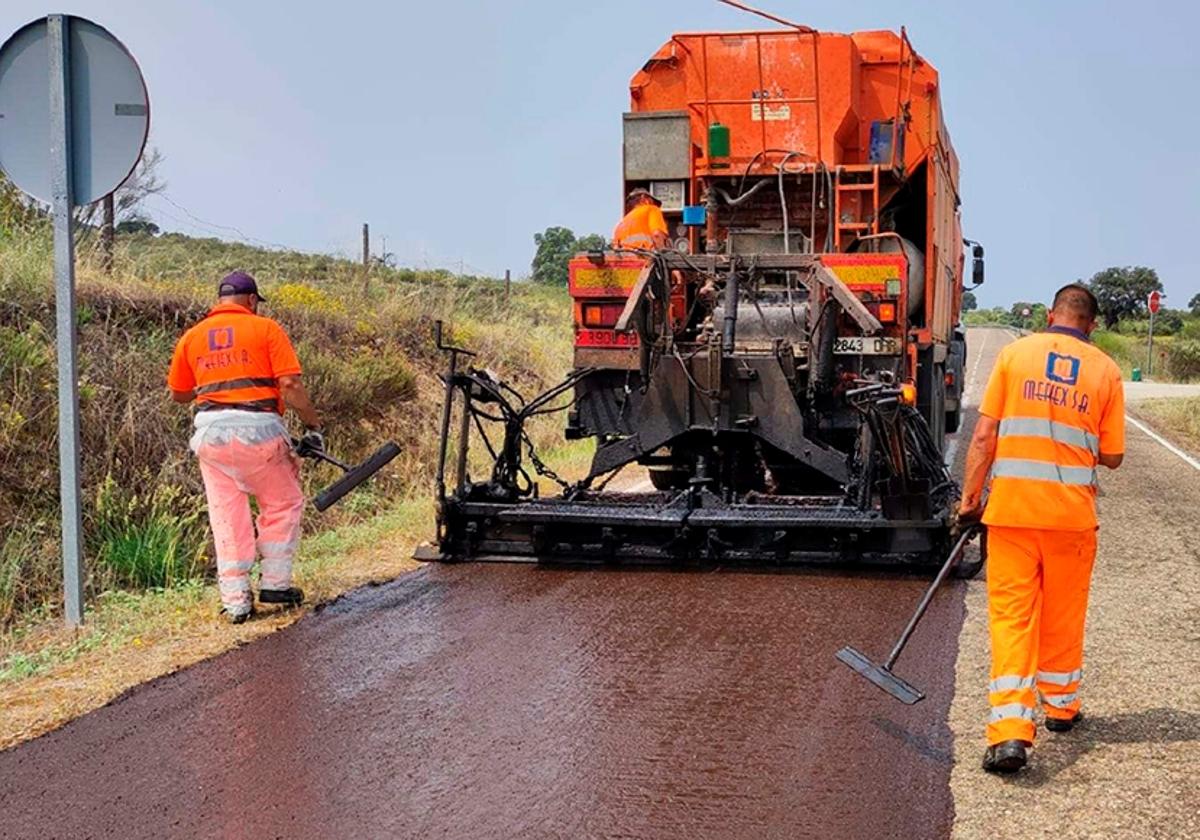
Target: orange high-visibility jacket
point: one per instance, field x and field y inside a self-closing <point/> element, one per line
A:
<point x="638" y="227"/>
<point x="1060" y="403"/>
<point x="233" y="359"/>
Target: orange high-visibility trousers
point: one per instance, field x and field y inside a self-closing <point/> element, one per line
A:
<point x="232" y="472"/>
<point x="1037" y="603"/>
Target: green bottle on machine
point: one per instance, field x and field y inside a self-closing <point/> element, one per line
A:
<point x="718" y="141"/>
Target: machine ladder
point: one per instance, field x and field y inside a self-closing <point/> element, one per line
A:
<point x="855" y="204"/>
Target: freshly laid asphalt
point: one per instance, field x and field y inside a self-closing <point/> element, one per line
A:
<point x="516" y="701"/>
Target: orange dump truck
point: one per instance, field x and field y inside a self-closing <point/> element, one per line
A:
<point x="787" y="368"/>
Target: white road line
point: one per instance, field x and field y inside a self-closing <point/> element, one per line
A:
<point x="969" y="385"/>
<point x="1166" y="443"/>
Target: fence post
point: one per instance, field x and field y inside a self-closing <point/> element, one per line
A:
<point x="366" y="257"/>
<point x="106" y="234"/>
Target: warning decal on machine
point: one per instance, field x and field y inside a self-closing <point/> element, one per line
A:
<point x="779" y="113"/>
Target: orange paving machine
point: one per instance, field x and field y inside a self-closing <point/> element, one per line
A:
<point x="788" y="367"/>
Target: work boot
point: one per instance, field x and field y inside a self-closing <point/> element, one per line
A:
<point x="240" y="615"/>
<point x="292" y="596"/>
<point x="1005" y="757"/>
<point x="1063" y="724"/>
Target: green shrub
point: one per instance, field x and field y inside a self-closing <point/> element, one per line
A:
<point x="150" y="540"/>
<point x="1121" y="348"/>
<point x="1183" y="359"/>
<point x="29" y="568"/>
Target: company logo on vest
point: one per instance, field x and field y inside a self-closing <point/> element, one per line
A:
<point x="220" y="338"/>
<point x="1063" y="369"/>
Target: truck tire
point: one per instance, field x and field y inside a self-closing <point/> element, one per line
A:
<point x="668" y="478"/>
<point x="953" y="420"/>
<point x="931" y="396"/>
<point x="956" y="363"/>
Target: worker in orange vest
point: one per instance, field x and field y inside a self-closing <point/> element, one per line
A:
<point x="1053" y="411"/>
<point x="241" y="370"/>
<point x="643" y="226"/>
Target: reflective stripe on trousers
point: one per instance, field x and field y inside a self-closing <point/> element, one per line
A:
<point x="1052" y="678"/>
<point x="1010" y="684"/>
<point x="1010" y="711"/>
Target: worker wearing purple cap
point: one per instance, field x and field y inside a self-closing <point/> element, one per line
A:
<point x="240" y="369"/>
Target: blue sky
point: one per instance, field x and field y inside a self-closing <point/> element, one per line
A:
<point x="458" y="129"/>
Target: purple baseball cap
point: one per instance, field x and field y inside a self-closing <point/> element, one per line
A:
<point x="238" y="283"/>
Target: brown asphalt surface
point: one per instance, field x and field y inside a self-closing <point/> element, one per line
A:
<point x="517" y="701"/>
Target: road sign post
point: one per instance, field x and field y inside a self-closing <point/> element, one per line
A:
<point x="1153" y="302"/>
<point x="70" y="147"/>
<point x="61" y="177"/>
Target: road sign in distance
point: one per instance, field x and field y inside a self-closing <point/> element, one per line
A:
<point x="1154" y="301"/>
<point x="110" y="113"/>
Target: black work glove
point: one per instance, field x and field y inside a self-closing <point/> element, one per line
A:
<point x="965" y="518"/>
<point x="313" y="441"/>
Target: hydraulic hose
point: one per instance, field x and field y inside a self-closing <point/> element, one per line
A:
<point x="729" y="330"/>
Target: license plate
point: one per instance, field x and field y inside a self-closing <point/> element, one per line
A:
<point x="866" y="345"/>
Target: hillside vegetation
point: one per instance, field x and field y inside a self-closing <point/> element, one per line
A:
<point x="369" y="362"/>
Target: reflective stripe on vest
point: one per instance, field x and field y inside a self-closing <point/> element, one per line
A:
<point x="230" y="384"/>
<point x="269" y="404"/>
<point x="636" y="240"/>
<point x="1043" y="471"/>
<point x="1051" y="430"/>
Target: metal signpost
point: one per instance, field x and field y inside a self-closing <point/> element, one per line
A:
<point x="1153" y="302"/>
<point x="74" y="116"/>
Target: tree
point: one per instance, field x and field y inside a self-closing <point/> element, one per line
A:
<point x="142" y="183"/>
<point x="555" y="247"/>
<point x="1194" y="304"/>
<point x="591" y="242"/>
<point x="968" y="302"/>
<point x="137" y="224"/>
<point x="1122" y="292"/>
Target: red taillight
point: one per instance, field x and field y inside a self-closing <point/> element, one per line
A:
<point x="887" y="313"/>
<point x="949" y="380"/>
<point x="600" y="314"/>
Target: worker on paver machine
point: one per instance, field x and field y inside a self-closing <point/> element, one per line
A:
<point x="241" y="370"/>
<point x="1054" y="409"/>
<point x="643" y="226"/>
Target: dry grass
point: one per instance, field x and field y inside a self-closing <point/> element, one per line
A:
<point x="369" y="363"/>
<point x="1176" y="418"/>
